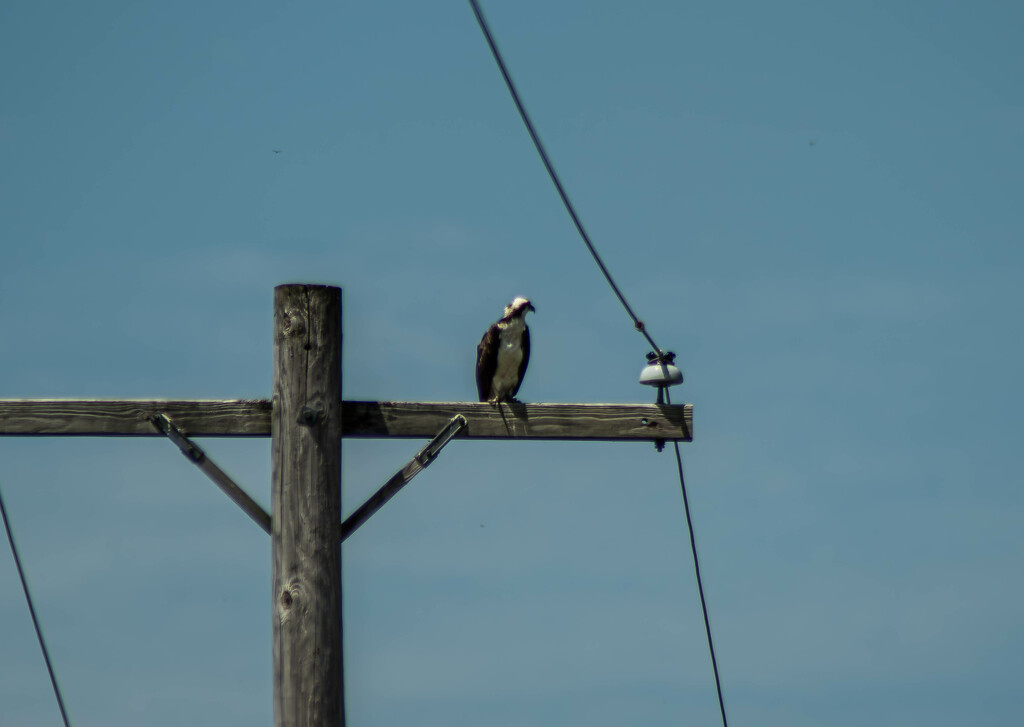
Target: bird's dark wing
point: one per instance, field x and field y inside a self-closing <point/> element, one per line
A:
<point x="525" y="345"/>
<point x="487" y="361"/>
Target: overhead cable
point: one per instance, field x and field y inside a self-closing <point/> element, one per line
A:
<point x="637" y="323"/>
<point x="32" y="611"/>
<point x="700" y="584"/>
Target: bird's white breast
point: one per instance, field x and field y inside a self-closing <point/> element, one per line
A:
<point x="510" y="356"/>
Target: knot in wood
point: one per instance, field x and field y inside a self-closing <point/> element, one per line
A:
<point x="289" y="602"/>
<point x="293" y="322"/>
<point x="310" y="416"/>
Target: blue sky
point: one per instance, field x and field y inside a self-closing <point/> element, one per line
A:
<point x="816" y="205"/>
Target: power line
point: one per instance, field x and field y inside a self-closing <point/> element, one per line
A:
<point x="32" y="611"/>
<point x="696" y="570"/>
<point x="637" y="323"/>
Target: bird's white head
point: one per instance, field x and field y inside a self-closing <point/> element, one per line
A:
<point x="518" y="307"/>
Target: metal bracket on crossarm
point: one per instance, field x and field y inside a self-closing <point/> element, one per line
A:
<point x="195" y="454"/>
<point x="401" y="478"/>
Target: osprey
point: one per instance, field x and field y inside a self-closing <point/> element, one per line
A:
<point x="503" y="353"/>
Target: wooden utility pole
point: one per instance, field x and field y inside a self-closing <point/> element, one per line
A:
<point x="306" y="506"/>
<point x="307" y="419"/>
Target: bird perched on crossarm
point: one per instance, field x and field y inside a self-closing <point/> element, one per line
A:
<point x="503" y="354"/>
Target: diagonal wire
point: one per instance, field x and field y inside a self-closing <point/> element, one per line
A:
<point x="637" y="323"/>
<point x="696" y="569"/>
<point x="32" y="611"/>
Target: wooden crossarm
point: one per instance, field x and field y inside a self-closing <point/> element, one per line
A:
<point x="366" y="419"/>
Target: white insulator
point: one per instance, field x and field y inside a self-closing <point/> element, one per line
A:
<point x="661" y="374"/>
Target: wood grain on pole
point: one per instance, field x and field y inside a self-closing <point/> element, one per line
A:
<point x="306" y="496"/>
<point x="368" y="419"/>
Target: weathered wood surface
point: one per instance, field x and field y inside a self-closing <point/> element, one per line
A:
<point x="306" y="507"/>
<point x="130" y="417"/>
<point x="370" y="419"/>
<point x="521" y="421"/>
